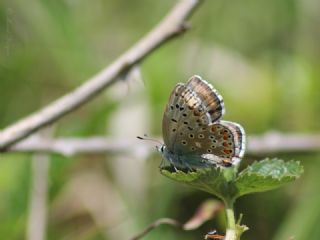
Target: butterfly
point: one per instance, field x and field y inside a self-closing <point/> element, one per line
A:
<point x="194" y="134"/>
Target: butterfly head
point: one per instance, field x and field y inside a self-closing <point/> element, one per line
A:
<point x="169" y="159"/>
<point x="160" y="148"/>
<point x="163" y="150"/>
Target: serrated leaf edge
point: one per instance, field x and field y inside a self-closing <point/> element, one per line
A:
<point x="296" y="176"/>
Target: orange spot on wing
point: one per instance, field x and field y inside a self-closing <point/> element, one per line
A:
<point x="196" y="113"/>
<point x="227" y="151"/>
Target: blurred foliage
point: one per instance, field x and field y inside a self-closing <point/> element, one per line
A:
<point x="263" y="56"/>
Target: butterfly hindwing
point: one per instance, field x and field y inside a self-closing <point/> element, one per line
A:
<point x="228" y="142"/>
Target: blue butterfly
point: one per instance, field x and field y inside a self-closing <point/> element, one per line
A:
<point x="194" y="134"/>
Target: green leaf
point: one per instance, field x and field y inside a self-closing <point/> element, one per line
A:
<point x="267" y="175"/>
<point x="226" y="184"/>
<point x="217" y="181"/>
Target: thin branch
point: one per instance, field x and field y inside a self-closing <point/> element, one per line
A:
<point x="269" y="143"/>
<point x="161" y="221"/>
<point x="73" y="146"/>
<point x="206" y="211"/>
<point x="37" y="217"/>
<point x="276" y="142"/>
<point x="171" y="26"/>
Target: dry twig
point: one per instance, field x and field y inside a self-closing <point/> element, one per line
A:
<point x="161" y="221"/>
<point x="37" y="217"/>
<point x="269" y="143"/>
<point x="171" y="26"/>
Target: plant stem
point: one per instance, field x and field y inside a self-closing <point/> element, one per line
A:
<point x="231" y="223"/>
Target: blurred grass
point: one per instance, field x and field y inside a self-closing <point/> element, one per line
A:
<point x="263" y="56"/>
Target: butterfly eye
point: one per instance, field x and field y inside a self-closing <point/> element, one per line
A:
<point x="191" y="135"/>
<point x="162" y="148"/>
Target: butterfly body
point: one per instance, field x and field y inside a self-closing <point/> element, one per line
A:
<point x="194" y="136"/>
<point x="181" y="161"/>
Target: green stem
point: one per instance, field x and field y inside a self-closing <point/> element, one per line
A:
<point x="231" y="222"/>
<point x="230" y="217"/>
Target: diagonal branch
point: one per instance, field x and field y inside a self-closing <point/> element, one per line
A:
<point x="157" y="223"/>
<point x="206" y="211"/>
<point x="171" y="26"/>
<point x="269" y="143"/>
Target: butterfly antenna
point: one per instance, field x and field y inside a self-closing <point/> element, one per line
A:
<point x="145" y="137"/>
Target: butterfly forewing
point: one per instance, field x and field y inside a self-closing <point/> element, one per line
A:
<point x="211" y="100"/>
<point x="172" y="115"/>
<point x="184" y="115"/>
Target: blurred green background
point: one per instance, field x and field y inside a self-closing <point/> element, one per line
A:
<point x="263" y="56"/>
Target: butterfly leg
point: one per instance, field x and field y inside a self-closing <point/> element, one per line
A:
<point x="173" y="165"/>
<point x="185" y="164"/>
<point x="189" y="167"/>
